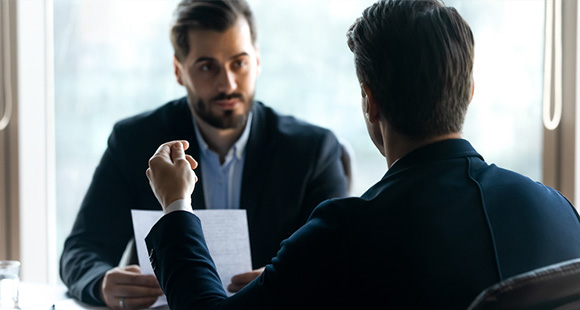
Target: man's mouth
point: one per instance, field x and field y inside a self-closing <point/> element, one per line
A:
<point x="227" y="102"/>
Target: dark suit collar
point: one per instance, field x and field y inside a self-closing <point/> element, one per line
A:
<point x="259" y="154"/>
<point x="432" y="153"/>
<point x="442" y="150"/>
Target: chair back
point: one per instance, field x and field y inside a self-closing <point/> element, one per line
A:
<point x="347" y="161"/>
<point x="552" y="287"/>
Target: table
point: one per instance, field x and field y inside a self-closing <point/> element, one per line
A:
<point x="39" y="296"/>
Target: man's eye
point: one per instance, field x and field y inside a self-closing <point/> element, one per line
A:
<point x="240" y="63"/>
<point x="205" y="68"/>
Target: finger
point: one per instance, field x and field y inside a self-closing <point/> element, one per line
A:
<point x="133" y="268"/>
<point x="163" y="154"/>
<point x="164" y="150"/>
<point x="247" y="277"/>
<point x="148" y="280"/>
<point x="135" y="291"/>
<point x="191" y="161"/>
<point x="177" y="152"/>
<point x="113" y="291"/>
<point x="234" y="288"/>
<point x="241" y="280"/>
<point x="185" y="144"/>
<point x="132" y="276"/>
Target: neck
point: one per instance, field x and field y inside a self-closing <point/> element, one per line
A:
<point x="218" y="140"/>
<point x="396" y="145"/>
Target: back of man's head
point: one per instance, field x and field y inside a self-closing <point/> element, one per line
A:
<point x="416" y="56"/>
<point x="217" y="15"/>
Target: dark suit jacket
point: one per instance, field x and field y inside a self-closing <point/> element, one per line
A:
<point x="290" y="167"/>
<point x="441" y="226"/>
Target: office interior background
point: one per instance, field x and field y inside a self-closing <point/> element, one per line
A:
<point x="72" y="68"/>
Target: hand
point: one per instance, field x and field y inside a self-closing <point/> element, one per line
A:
<point x="170" y="173"/>
<point x="241" y="280"/>
<point x="138" y="291"/>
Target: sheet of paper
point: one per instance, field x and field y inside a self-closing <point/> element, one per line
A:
<point x="226" y="235"/>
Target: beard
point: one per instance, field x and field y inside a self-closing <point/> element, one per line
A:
<point x="228" y="119"/>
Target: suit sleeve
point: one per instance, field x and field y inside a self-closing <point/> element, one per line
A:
<point x="304" y="274"/>
<point x="102" y="228"/>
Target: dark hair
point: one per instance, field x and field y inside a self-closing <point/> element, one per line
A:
<point x="416" y="56"/>
<point x="216" y="15"/>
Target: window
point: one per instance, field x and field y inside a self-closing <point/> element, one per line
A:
<point x="504" y="120"/>
<point x="113" y="59"/>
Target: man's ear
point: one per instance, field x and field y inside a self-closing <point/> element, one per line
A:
<point x="177" y="69"/>
<point x="371" y="108"/>
<point x="472" y="89"/>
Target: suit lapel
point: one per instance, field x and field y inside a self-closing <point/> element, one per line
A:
<point x="259" y="151"/>
<point x="184" y="129"/>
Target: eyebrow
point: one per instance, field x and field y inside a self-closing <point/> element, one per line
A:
<point x="200" y="59"/>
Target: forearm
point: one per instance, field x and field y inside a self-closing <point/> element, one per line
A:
<point x="82" y="272"/>
<point x="182" y="262"/>
<point x="91" y="250"/>
<point x="100" y="233"/>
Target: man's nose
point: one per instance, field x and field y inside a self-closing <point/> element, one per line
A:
<point x="226" y="82"/>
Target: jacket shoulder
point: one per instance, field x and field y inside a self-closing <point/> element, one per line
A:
<point x="289" y="127"/>
<point x="150" y="120"/>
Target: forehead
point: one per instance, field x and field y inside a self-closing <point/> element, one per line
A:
<point x="221" y="45"/>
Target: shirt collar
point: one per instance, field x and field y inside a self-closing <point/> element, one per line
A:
<point x="238" y="147"/>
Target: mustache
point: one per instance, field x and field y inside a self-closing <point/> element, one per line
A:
<point x="224" y="96"/>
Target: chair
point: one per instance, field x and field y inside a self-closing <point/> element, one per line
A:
<point x="552" y="287"/>
<point x="347" y="161"/>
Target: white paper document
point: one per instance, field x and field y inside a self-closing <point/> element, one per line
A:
<point x="226" y="235"/>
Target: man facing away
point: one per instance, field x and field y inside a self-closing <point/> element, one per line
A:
<point x="442" y="224"/>
<point x="276" y="167"/>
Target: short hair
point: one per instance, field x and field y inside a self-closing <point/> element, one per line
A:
<point x="416" y="56"/>
<point x="218" y="15"/>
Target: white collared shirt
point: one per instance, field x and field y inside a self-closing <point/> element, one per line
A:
<point x="222" y="183"/>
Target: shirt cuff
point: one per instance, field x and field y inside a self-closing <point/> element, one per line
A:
<point x="178" y="205"/>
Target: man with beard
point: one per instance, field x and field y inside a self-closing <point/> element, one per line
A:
<point x="276" y="167"/>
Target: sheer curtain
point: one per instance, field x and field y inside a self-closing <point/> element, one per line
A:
<point x="113" y="59"/>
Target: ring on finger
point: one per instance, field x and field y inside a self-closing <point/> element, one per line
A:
<point x="122" y="302"/>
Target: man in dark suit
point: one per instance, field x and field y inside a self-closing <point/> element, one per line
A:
<point x="276" y="167"/>
<point x="441" y="225"/>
